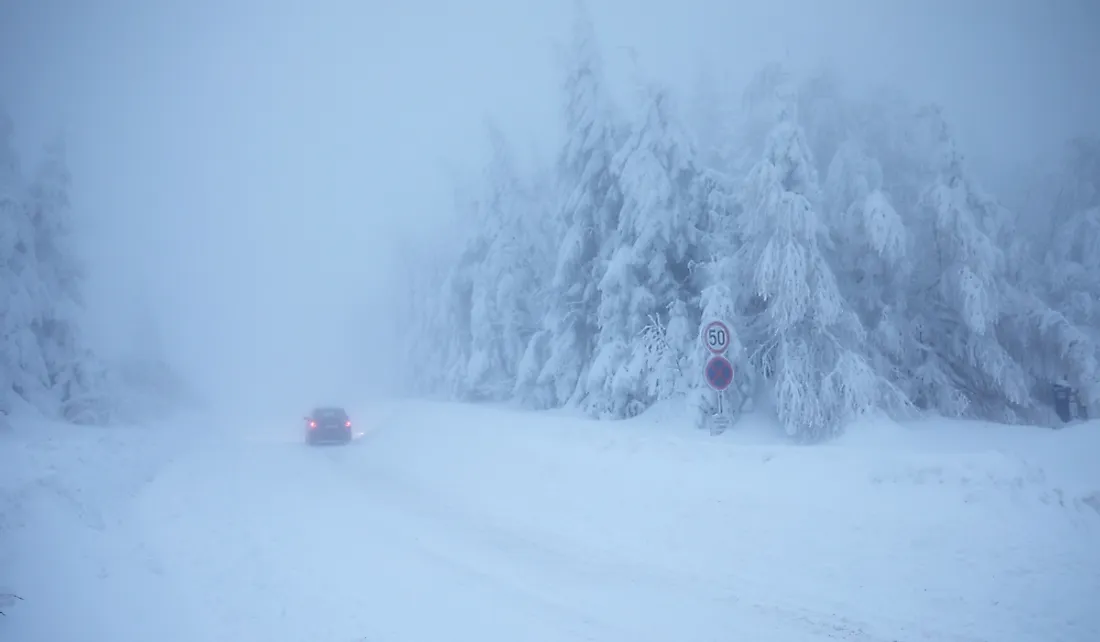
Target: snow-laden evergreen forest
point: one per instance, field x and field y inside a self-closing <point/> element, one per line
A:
<point x="863" y="266"/>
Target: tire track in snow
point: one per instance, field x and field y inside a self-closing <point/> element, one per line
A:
<point x="278" y="545"/>
<point x="607" y="581"/>
<point x="319" y="544"/>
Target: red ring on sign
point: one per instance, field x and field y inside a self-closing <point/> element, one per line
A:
<point x="718" y="373"/>
<point x="723" y="331"/>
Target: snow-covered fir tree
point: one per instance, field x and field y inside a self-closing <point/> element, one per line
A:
<point x="720" y="288"/>
<point x="868" y="250"/>
<point x="77" y="377"/>
<point x="46" y="360"/>
<point x="494" y="295"/>
<point x="456" y="310"/>
<point x="960" y="291"/>
<point x="649" y="308"/>
<point x="589" y="213"/>
<point x="1071" y="260"/>
<point x="544" y="231"/>
<point x="808" y="338"/>
<point x="494" y="308"/>
<point x="1064" y="297"/>
<point x="23" y="370"/>
<point x="424" y="317"/>
<point x="506" y="307"/>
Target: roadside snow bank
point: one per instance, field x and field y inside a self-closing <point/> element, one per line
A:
<point x="65" y="494"/>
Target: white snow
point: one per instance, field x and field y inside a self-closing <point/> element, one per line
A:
<point x="458" y="522"/>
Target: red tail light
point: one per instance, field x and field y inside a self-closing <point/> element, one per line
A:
<point x="313" y="424"/>
<point x="347" y="424"/>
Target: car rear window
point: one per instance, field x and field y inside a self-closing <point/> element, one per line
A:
<point x="329" y="413"/>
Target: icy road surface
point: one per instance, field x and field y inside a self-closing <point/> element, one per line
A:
<point x="447" y="522"/>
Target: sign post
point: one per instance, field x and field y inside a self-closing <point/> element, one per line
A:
<point x="719" y="375"/>
<point x="718" y="370"/>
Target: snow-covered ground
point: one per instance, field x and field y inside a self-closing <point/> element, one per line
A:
<point x="452" y="522"/>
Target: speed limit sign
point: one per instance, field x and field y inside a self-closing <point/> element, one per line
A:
<point x="716" y="337"/>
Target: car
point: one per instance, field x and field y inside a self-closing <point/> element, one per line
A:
<point x="328" y="424"/>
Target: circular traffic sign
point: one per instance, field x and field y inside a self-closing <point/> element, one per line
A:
<point x="718" y="373"/>
<point x="716" y="337"/>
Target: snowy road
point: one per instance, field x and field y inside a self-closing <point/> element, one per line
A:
<point x="458" y="523"/>
<point x="279" y="542"/>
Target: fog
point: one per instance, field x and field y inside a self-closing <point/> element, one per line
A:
<point x="249" y="169"/>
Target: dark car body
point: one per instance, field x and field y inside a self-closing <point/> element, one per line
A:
<point x="328" y="424"/>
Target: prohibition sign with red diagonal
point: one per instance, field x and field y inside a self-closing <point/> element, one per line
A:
<point x="719" y="373"/>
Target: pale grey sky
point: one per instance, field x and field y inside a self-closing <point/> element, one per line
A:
<point x="249" y="161"/>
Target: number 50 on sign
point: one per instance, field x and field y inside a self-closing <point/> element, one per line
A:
<point x="716" y="337"/>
